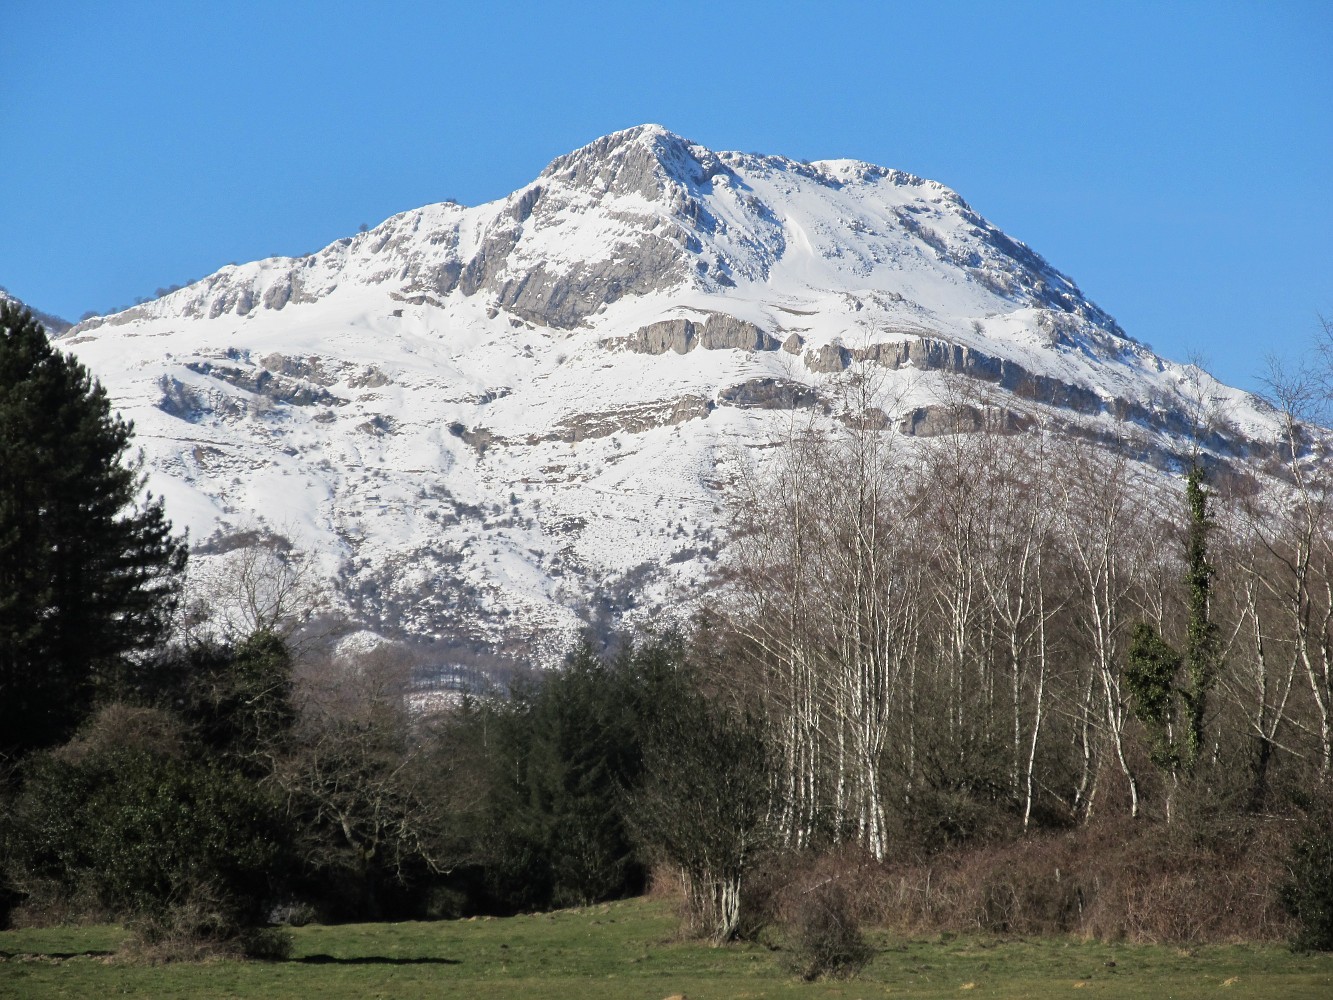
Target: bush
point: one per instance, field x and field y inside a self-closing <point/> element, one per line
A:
<point x="960" y="795"/>
<point x="1115" y="880"/>
<point x="184" y="850"/>
<point x="1307" y="895"/>
<point x="824" y="935"/>
<point x="202" y="926"/>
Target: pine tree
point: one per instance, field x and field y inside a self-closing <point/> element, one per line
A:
<point x="89" y="568"/>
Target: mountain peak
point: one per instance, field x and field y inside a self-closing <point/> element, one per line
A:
<point x="650" y="137"/>
<point x="645" y="159"/>
<point x="468" y="415"/>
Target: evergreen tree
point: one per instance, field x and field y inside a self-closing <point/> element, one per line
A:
<point x="568" y="744"/>
<point x="1201" y="647"/>
<point x="240" y="700"/>
<point x="89" y="571"/>
<point x="560" y="759"/>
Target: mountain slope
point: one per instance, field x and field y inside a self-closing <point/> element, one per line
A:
<point x="495" y="421"/>
<point x="54" y="324"/>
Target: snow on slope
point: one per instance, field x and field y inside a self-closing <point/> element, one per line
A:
<point x="53" y="324"/>
<point x="483" y="420"/>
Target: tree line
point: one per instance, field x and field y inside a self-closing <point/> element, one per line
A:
<point x="201" y="785"/>
<point x="910" y="651"/>
<point x="1032" y="622"/>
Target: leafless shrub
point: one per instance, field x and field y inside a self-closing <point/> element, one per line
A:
<point x="1114" y="880"/>
<point x="824" y="935"/>
<point x="119" y="726"/>
<point x="198" y="928"/>
<point x="46" y="903"/>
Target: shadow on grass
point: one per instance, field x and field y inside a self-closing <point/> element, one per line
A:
<point x="373" y="960"/>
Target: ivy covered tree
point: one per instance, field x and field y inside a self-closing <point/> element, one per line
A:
<point x="1150" y="675"/>
<point x="1201" y="646"/>
<point x="89" y="567"/>
<point x="1154" y="665"/>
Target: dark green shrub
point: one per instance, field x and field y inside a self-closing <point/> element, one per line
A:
<point x="1307" y="895"/>
<point x="183" y="850"/>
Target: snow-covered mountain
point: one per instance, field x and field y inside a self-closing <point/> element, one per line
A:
<point x="489" y="420"/>
<point x="54" y="324"/>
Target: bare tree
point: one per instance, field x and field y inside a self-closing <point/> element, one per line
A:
<point x="1296" y="528"/>
<point x="1107" y="516"/>
<point x="1018" y="513"/>
<point x="371" y="785"/>
<point x="816" y="546"/>
<point x="1263" y="659"/>
<point x="262" y="585"/>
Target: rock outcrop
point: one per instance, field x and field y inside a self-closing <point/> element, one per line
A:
<point x="716" y="333"/>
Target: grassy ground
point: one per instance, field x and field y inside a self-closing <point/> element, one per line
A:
<point x="628" y="950"/>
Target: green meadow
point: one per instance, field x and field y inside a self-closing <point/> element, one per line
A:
<point x="630" y="950"/>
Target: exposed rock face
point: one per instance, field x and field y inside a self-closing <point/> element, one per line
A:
<point x="182" y="401"/>
<point x="310" y="369"/>
<point x="657" y="338"/>
<point x="718" y="332"/>
<point x="628" y="419"/>
<point x="769" y="394"/>
<point x="937" y="355"/>
<point x="564" y="300"/>
<point x="930" y="421"/>
<point x="723" y="332"/>
<point x="828" y="358"/>
<point x="871" y="418"/>
<point x="479" y="438"/>
<point x="264" y="382"/>
<point x="926" y="354"/>
<point x="648" y="161"/>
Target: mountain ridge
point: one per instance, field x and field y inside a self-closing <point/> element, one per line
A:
<point x="485" y="420"/>
<point x="54" y="325"/>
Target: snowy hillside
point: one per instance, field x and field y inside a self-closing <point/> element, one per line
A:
<point x="54" y="324"/>
<point x="481" y="419"/>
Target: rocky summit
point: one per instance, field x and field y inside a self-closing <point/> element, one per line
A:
<point x="491" y="424"/>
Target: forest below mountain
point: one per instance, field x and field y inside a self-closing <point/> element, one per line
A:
<point x="1015" y="681"/>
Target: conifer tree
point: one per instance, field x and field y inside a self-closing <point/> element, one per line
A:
<point x="89" y="568"/>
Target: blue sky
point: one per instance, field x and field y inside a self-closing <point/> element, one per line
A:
<point x="1173" y="158"/>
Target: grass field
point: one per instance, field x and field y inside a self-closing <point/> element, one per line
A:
<point x="629" y="950"/>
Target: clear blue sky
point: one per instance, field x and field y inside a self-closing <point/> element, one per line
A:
<point x="1175" y="159"/>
